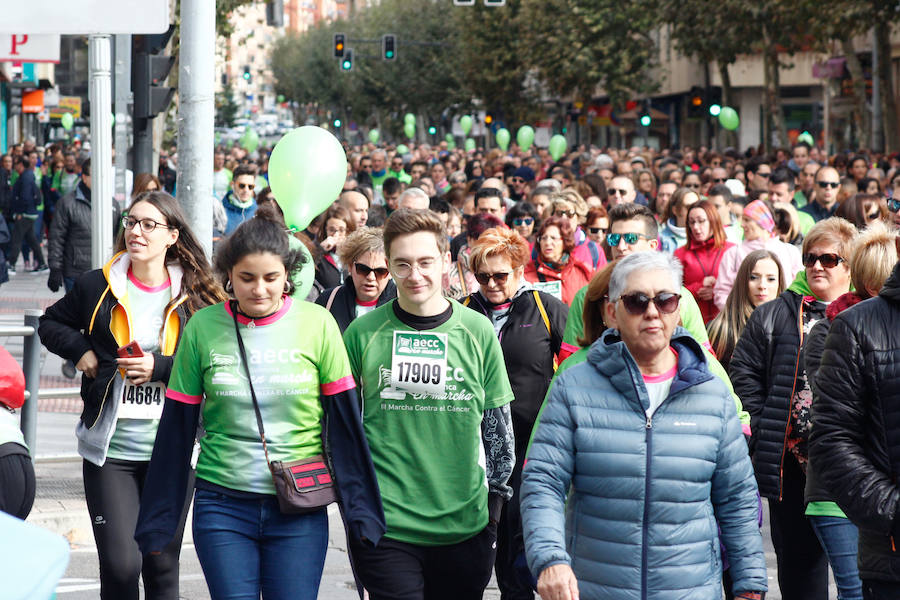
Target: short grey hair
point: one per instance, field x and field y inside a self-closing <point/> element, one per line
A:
<point x="644" y="261"/>
<point x="413" y="194"/>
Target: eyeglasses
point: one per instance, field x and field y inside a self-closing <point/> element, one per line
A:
<point x="147" y="225"/>
<point x="364" y="270"/>
<point x="617" y="192"/>
<point x="518" y="180"/>
<point x="245" y="186"/>
<point x="893" y="205"/>
<point x="638" y="302"/>
<point x="829" y="260"/>
<point x="564" y="213"/>
<point x="763" y="175"/>
<point x="402" y="270"/>
<point x="719" y="180"/>
<point x="550" y="238"/>
<point x="613" y="239"/>
<point x="484" y="278"/>
<point x="335" y="230"/>
<point x="596" y="230"/>
<point x="692" y="186"/>
<point x="522" y="221"/>
<point x="828" y="184"/>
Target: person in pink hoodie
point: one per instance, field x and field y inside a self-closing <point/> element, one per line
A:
<point x="759" y="233"/>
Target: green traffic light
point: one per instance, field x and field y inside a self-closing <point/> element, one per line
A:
<point x="432" y="130"/>
<point x="345" y="65"/>
<point x="645" y="120"/>
<point x="714" y="110"/>
<point x="247" y="76"/>
<point x="389" y="54"/>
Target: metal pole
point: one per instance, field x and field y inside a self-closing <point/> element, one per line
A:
<point x="196" y="79"/>
<point x="123" y="97"/>
<point x="877" y="125"/>
<point x="100" y="59"/>
<point x="31" y="365"/>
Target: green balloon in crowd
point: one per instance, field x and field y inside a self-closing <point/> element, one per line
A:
<point x="525" y="137"/>
<point x="729" y="118"/>
<point x="466" y="123"/>
<point x="503" y="138"/>
<point x="558" y="146"/>
<point x="374" y="136"/>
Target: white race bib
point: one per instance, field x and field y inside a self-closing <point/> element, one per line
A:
<point x="142" y="401"/>
<point x="419" y="362"/>
<point x="554" y="288"/>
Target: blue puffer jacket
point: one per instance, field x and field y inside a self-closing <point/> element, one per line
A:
<point x="640" y="522"/>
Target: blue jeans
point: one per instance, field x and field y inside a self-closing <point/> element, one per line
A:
<point x="840" y="539"/>
<point x="247" y="547"/>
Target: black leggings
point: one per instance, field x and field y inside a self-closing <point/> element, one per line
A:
<point x="113" y="494"/>
<point x="16" y="480"/>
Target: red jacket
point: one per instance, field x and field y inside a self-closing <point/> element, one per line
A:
<point x="574" y="276"/>
<point x="699" y="261"/>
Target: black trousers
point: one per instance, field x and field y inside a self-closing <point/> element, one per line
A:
<point x="802" y="563"/>
<point x="400" y="571"/>
<point x="16" y="480"/>
<point x="880" y="590"/>
<point x="113" y="494"/>
<point x="24" y="229"/>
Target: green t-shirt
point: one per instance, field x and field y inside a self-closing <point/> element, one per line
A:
<point x="426" y="447"/>
<point x="295" y="355"/>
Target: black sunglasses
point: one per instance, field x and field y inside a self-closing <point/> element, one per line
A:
<point x="518" y="222"/>
<point x="246" y="186"/>
<point x="638" y="302"/>
<point x="596" y="230"/>
<point x="616" y="192"/>
<point x="364" y="270"/>
<point x="764" y="175"/>
<point x="719" y="180"/>
<point x="484" y="278"/>
<point x="829" y="260"/>
<point x="828" y="184"/>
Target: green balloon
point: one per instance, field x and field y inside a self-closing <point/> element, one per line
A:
<point x="729" y="118"/>
<point x="525" y="137"/>
<point x="307" y="170"/>
<point x="112" y="119"/>
<point x="466" y="123"/>
<point x="449" y="137"/>
<point x="302" y="279"/>
<point x="557" y="146"/>
<point x="470" y="144"/>
<point x="503" y="138"/>
<point x="374" y="135"/>
<point x="250" y="140"/>
<point x="806" y="137"/>
<point x="67" y="121"/>
<point x="409" y="118"/>
<point x="451" y="145"/>
<point x="402" y="149"/>
<point x="280" y="98"/>
<point x="410" y="130"/>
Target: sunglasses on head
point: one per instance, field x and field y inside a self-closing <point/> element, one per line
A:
<point x="484" y="278"/>
<point x="364" y="270"/>
<point x="522" y="221"/>
<point x="638" y="302"/>
<point x="613" y="239"/>
<point x="828" y="184"/>
<point x="829" y="260"/>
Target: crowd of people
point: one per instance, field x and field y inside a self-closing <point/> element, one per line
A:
<point x="583" y="375"/>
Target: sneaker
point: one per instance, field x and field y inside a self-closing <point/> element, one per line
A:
<point x="41" y="268"/>
<point x="68" y="369"/>
<point x="11" y="270"/>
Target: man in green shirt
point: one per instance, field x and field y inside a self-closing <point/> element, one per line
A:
<point x="397" y="171"/>
<point x="435" y="396"/>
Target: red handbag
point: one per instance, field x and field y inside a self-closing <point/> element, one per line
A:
<point x="12" y="381"/>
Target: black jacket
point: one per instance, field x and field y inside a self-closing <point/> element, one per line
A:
<point x="343" y="308"/>
<point x="70" y="233"/>
<point x="528" y="350"/>
<point x="25" y="195"/>
<point x="763" y="371"/>
<point x="83" y="320"/>
<point x="855" y="442"/>
<point x="327" y="273"/>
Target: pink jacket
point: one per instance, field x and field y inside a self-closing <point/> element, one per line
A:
<point x="788" y="255"/>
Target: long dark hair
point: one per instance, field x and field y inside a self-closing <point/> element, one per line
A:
<point x="201" y="289"/>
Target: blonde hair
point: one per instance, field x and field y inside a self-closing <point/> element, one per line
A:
<point x="874" y="257"/>
<point x="364" y="239"/>
<point x="574" y="198"/>
<point x="499" y="241"/>
<point x="833" y="230"/>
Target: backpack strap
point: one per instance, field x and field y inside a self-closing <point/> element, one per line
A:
<point x="331" y="298"/>
<point x="543" y="311"/>
<point x="466" y="300"/>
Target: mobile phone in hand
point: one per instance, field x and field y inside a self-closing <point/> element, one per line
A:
<point x="130" y="350"/>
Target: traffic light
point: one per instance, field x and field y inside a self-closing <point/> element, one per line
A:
<point x="247" y="75"/>
<point x="339" y="44"/>
<point x="389" y="46"/>
<point x="714" y="110"/>
<point x="149" y="70"/>
<point x="432" y="130"/>
<point x="645" y="119"/>
<point x="696" y="102"/>
<point x="337" y="123"/>
<point x="347" y="61"/>
<point x="488" y="119"/>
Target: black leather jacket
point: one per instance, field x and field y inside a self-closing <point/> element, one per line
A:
<point x="855" y="442"/>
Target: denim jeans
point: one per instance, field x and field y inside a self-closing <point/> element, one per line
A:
<point x="247" y="547"/>
<point x="840" y="539"/>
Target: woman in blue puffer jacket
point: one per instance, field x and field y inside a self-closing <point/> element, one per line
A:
<point x="637" y="453"/>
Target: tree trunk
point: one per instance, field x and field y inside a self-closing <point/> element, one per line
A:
<point x="885" y="75"/>
<point x="860" y="108"/>
<point x="731" y="139"/>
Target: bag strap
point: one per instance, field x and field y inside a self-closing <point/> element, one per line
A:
<point x="259" y="422"/>
<point x="466" y="300"/>
<point x="540" y="305"/>
<point x="331" y="298"/>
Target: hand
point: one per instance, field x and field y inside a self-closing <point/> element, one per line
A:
<point x="138" y="370"/>
<point x="709" y="281"/>
<point x="328" y="244"/>
<point x="705" y="293"/>
<point x="88" y="364"/>
<point x="558" y="583"/>
<point x="55" y="280"/>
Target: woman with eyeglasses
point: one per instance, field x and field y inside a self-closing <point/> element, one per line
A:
<point x="369" y="285"/>
<point x="768" y="373"/>
<point x="336" y="225"/>
<point x="701" y="255"/>
<point x="554" y="269"/>
<point x="673" y="233"/>
<point x="524" y="218"/>
<point x="530" y="326"/>
<point x="121" y="325"/>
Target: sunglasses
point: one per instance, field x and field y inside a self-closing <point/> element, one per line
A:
<point x="518" y="180"/>
<point x="564" y="213"/>
<point x="484" y="278"/>
<point x="638" y="302"/>
<point x="719" y="180"/>
<point x="764" y="175"/>
<point x="692" y="186"/>
<point x="828" y="184"/>
<point x="596" y="230"/>
<point x="617" y="192"/>
<point x="613" y="239"/>
<point x="829" y="260"/>
<point x="364" y="270"/>
<point x="522" y="221"/>
<point x="893" y="205"/>
<point x="246" y="186"/>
